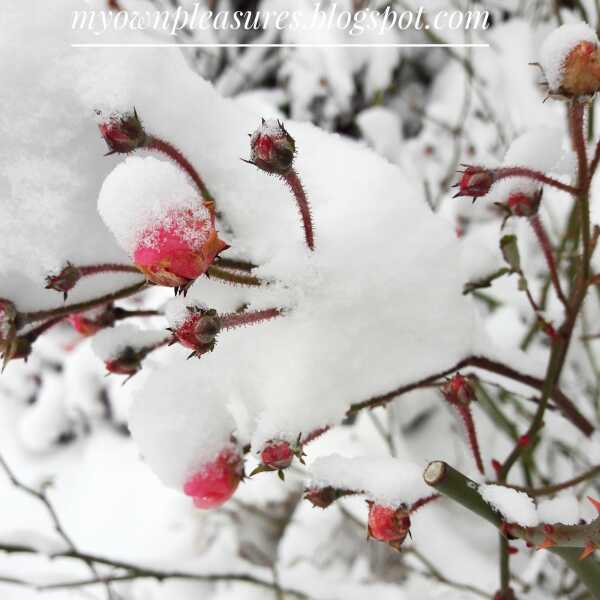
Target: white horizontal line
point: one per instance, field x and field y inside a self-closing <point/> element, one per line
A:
<point x="93" y="45"/>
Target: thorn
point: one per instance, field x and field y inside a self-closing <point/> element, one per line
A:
<point x="595" y="504"/>
<point x="457" y="195"/>
<point x="263" y="120"/>
<point x="65" y="296"/>
<point x="589" y="548"/>
<point x="547" y="543"/>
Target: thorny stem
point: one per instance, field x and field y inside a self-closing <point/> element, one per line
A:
<point x="26" y="318"/>
<point x="453" y="484"/>
<point x="233" y="320"/>
<point x="106" y="268"/>
<point x="292" y="179"/>
<point x="542" y="236"/>
<point x="233" y="277"/>
<point x="155" y="143"/>
<point x="565" y="405"/>
<point x="553" y="489"/>
<point x="506" y="172"/>
<point x="232" y="263"/>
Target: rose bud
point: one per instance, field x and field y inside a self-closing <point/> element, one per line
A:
<point x="521" y="205"/>
<point x="475" y="182"/>
<point x="217" y="480"/>
<point x="570" y="60"/>
<point x="127" y="362"/>
<point x="176" y="252"/>
<point x="388" y="524"/>
<point x="272" y="148"/>
<point x="458" y="390"/>
<point x="196" y="327"/>
<point x="90" y="322"/>
<point x="277" y="455"/>
<point x="123" y="133"/>
<point x="65" y="281"/>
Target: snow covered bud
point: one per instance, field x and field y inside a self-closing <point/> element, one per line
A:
<point x="475" y="182"/>
<point x="458" y="390"/>
<point x="388" y="524"/>
<point x="570" y="60"/>
<point x="272" y="148"/>
<point x="64" y="281"/>
<point x="123" y="133"/>
<point x="217" y="480"/>
<point x="523" y="205"/>
<point x="8" y="320"/>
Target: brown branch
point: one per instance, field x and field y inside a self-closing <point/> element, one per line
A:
<point x="565" y="405"/>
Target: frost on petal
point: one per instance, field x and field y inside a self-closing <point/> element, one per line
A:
<point x="386" y="481"/>
<point x="142" y="193"/>
<point x="515" y="507"/>
<point x="180" y="422"/>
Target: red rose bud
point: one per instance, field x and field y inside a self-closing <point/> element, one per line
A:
<point x="123" y="133"/>
<point x="277" y="455"/>
<point x="475" y="182"/>
<point x="522" y="205"/>
<point x="388" y="524"/>
<point x="458" y="390"/>
<point x="272" y="148"/>
<point x="217" y="481"/>
<point x="92" y="321"/>
<point x="65" y="281"/>
<point x="181" y="249"/>
<point x="8" y="319"/>
<point x="128" y="362"/>
<point x="199" y="330"/>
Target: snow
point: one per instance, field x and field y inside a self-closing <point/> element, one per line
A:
<point x="109" y="343"/>
<point x="142" y="193"/>
<point x="384" y="480"/>
<point x="177" y="310"/>
<point x="179" y="421"/>
<point x="563" y="509"/>
<point x="557" y="47"/>
<point x="515" y="507"/>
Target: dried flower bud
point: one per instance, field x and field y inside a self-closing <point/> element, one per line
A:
<point x="199" y="329"/>
<point x="217" y="480"/>
<point x="322" y="497"/>
<point x="123" y="133"/>
<point x="459" y="390"/>
<point x="388" y="524"/>
<point x="523" y="205"/>
<point x="475" y="182"/>
<point x="177" y="252"/>
<point x="8" y="319"/>
<point x="65" y="281"/>
<point x="272" y="148"/>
